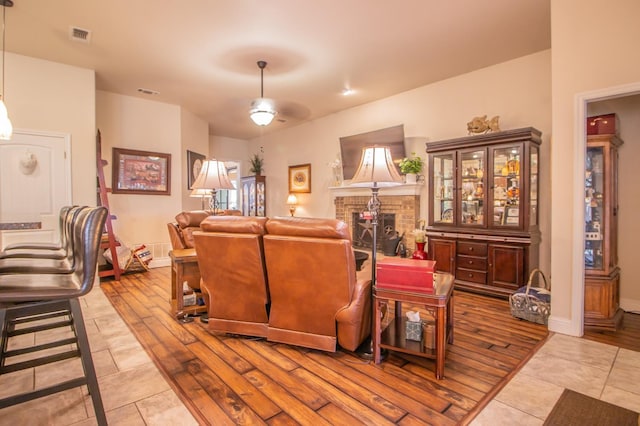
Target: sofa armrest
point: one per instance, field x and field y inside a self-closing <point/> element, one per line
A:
<point x="175" y="236"/>
<point x="354" y="321"/>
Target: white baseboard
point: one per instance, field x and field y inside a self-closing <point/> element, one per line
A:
<point x="563" y="325"/>
<point x="630" y="305"/>
<point x="160" y="262"/>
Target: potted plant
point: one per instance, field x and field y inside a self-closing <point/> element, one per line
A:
<point x="257" y="162"/>
<point x="411" y="167"/>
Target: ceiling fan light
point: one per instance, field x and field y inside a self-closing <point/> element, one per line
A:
<point x="262" y="111"/>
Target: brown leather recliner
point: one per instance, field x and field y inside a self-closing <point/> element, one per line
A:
<point x="181" y="234"/>
<point x="316" y="299"/>
<point x="187" y="222"/>
<point x="231" y="262"/>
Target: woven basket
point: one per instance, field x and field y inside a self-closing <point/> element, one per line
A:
<point x="532" y="303"/>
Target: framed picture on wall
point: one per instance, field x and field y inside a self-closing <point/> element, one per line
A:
<point x="194" y="165"/>
<point x="300" y="178"/>
<point x="141" y="172"/>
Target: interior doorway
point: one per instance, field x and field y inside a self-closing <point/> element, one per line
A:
<point x="625" y="101"/>
<point x="35" y="183"/>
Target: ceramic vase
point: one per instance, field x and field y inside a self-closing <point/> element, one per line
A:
<point x="419" y="254"/>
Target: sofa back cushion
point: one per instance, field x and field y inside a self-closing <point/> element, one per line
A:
<point x="311" y="272"/>
<point x="231" y="260"/>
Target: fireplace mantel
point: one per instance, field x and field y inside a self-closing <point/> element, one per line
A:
<point x="353" y="191"/>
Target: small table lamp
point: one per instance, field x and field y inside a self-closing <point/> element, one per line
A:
<point x="292" y="201"/>
<point x="212" y="177"/>
<point x="200" y="193"/>
<point x="376" y="170"/>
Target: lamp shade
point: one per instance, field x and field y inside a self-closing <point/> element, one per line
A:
<point x="213" y="175"/>
<point x="200" y="193"/>
<point x="262" y="111"/>
<point x="376" y="169"/>
<point x="292" y="199"/>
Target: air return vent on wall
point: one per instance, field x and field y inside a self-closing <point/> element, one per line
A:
<point x="79" y="34"/>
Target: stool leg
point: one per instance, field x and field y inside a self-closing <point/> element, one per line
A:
<point x="87" y="362"/>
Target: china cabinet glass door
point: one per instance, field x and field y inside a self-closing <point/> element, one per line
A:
<point x="443" y="186"/>
<point x="472" y="195"/>
<point x="506" y="186"/>
<point x="594" y="215"/>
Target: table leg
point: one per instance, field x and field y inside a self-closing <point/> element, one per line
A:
<point x="376" y="330"/>
<point x="179" y="289"/>
<point x="441" y="326"/>
<point x="450" y="327"/>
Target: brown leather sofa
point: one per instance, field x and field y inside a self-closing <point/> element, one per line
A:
<point x="316" y="299"/>
<point x="231" y="262"/>
<point x="181" y="235"/>
<point x="187" y="222"/>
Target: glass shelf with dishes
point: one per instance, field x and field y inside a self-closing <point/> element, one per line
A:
<point x="506" y="186"/>
<point x="443" y="187"/>
<point x="472" y="196"/>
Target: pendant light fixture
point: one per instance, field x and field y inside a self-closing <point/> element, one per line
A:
<point x="6" y="128"/>
<point x="262" y="110"/>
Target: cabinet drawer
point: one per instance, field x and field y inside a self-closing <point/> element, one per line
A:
<point x="471" y="275"/>
<point x="472" y="262"/>
<point x="472" y="249"/>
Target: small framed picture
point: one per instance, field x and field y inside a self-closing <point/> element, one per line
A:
<point x="300" y="178"/>
<point x="141" y="172"/>
<point x="194" y="165"/>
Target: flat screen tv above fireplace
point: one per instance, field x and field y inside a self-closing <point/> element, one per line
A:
<point x="351" y="147"/>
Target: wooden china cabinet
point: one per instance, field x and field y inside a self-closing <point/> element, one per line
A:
<point x="483" y="209"/>
<point x="602" y="274"/>
<point x="254" y="201"/>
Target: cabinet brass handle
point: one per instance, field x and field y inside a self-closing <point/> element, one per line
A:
<point x="471" y="262"/>
<point x="470" y="248"/>
<point x="470" y="275"/>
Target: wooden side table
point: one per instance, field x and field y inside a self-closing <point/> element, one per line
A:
<point x="184" y="267"/>
<point x="439" y="302"/>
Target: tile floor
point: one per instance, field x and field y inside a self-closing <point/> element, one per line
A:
<point x="602" y="371"/>
<point x="133" y="390"/>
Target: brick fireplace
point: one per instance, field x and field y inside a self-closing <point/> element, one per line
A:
<point x="400" y="211"/>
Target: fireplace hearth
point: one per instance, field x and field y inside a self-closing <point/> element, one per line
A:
<point x="398" y="213"/>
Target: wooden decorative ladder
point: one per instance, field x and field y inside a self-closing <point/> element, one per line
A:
<point x="108" y="238"/>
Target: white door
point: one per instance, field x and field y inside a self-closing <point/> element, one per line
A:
<point x="35" y="182"/>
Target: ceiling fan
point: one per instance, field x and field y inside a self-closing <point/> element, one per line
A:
<point x="262" y="109"/>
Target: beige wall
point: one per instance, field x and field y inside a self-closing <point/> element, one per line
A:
<point x="194" y="134"/>
<point x="628" y="110"/>
<point x="519" y="91"/>
<point x="48" y="96"/>
<point x="134" y="123"/>
<point x="594" y="47"/>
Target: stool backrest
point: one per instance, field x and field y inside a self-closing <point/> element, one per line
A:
<point x="87" y="235"/>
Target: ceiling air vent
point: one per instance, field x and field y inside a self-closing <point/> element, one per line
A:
<point x="78" y="34"/>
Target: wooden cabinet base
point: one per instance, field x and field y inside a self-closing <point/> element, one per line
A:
<point x="605" y="324"/>
<point x="602" y="302"/>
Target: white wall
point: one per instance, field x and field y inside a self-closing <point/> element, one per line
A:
<point x="519" y="91"/>
<point x="134" y="123"/>
<point x="195" y="138"/>
<point x="593" y="48"/>
<point x="48" y="96"/>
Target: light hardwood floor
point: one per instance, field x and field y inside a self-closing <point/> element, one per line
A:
<point x="231" y="380"/>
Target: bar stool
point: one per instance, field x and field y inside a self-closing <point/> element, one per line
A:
<point x="36" y="250"/>
<point x="35" y="302"/>
<point x="49" y="265"/>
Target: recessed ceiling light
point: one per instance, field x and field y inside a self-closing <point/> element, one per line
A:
<point x="347" y="91"/>
<point x="148" y="91"/>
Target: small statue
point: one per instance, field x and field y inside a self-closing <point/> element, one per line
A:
<point x="482" y="125"/>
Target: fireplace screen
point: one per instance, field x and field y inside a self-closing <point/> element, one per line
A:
<point x="362" y="230"/>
